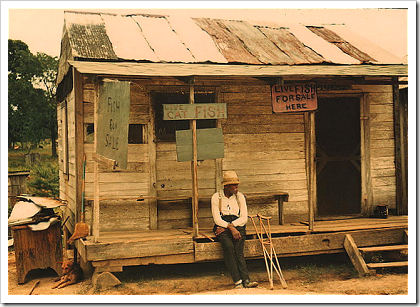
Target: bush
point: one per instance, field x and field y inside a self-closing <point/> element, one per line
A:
<point x="44" y="179"/>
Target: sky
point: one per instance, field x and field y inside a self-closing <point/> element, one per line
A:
<point x="39" y="24"/>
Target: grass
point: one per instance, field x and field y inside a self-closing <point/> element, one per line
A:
<point x="43" y="178"/>
<point x="16" y="157"/>
<point x="312" y="269"/>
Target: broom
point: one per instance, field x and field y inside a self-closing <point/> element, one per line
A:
<point x="81" y="229"/>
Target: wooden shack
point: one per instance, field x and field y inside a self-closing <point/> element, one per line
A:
<point x="303" y="166"/>
<point x="17" y="184"/>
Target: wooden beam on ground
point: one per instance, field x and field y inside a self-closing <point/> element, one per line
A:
<point x="355" y="256"/>
<point x="394" y="264"/>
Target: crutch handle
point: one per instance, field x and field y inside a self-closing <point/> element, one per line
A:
<point x="264" y="217"/>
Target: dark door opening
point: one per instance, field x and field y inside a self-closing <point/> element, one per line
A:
<point x="337" y="129"/>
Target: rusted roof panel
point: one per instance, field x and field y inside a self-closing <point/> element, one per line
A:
<point x="290" y="45"/>
<point x="345" y="46"/>
<point x="256" y="43"/>
<point x="328" y="51"/>
<point x="381" y="55"/>
<point x="196" y="40"/>
<point x="88" y="37"/>
<point x="229" y="44"/>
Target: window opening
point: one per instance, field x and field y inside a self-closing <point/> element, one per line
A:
<point x="135" y="133"/>
<point x="165" y="129"/>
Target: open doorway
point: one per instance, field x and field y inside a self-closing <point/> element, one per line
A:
<point x="337" y="129"/>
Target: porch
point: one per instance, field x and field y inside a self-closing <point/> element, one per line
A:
<point x="115" y="249"/>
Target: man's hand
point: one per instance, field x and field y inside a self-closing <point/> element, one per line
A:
<point x="219" y="230"/>
<point x="235" y="233"/>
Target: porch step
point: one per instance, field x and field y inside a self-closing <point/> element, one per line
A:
<point x="383" y="248"/>
<point x="387" y="264"/>
<point x="357" y="254"/>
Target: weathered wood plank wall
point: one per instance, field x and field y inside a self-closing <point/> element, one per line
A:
<point x="116" y="211"/>
<point x="66" y="158"/>
<point x="266" y="150"/>
<point x="382" y="145"/>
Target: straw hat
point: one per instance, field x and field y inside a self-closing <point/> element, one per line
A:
<point x="230" y="177"/>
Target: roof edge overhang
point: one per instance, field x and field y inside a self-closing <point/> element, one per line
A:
<point x="228" y="70"/>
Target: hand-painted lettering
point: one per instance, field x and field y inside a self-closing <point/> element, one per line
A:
<point x="111" y="141"/>
<point x="294" y="97"/>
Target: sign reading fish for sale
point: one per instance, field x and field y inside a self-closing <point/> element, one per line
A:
<point x="294" y="97"/>
<point x="113" y="118"/>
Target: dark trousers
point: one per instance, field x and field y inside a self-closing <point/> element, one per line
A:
<point x="233" y="253"/>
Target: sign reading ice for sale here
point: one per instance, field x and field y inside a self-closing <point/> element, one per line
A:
<point x="294" y="97"/>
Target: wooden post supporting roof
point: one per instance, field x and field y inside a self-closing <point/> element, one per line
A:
<point x="193" y="124"/>
<point x="219" y="161"/>
<point x="312" y="170"/>
<point x="151" y="144"/>
<point x="95" y="216"/>
<point x="367" y="191"/>
<point x="78" y="130"/>
<point x="400" y="165"/>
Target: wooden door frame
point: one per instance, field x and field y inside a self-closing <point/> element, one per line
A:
<point x="366" y="180"/>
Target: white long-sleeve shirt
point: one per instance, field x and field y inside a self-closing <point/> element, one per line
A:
<point x="229" y="206"/>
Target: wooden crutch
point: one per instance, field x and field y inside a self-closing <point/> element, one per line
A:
<point x="265" y="253"/>
<point x="268" y="255"/>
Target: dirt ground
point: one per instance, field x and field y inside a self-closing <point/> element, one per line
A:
<point x="321" y="275"/>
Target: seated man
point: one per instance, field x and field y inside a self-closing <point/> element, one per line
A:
<point x="230" y="215"/>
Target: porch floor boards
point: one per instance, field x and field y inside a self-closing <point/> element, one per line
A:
<point x="291" y="228"/>
<point x="179" y="246"/>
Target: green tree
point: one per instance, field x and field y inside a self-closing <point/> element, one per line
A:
<point x="31" y="95"/>
<point x="46" y="79"/>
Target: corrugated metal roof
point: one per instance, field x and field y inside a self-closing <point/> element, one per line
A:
<point x="183" y="70"/>
<point x="164" y="39"/>
<point x="332" y="37"/>
<point x="88" y="37"/>
<point x="375" y="51"/>
<point x="122" y="40"/>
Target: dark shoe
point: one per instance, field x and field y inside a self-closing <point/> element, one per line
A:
<point x="250" y="284"/>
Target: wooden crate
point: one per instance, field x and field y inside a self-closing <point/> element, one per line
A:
<point x="37" y="250"/>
